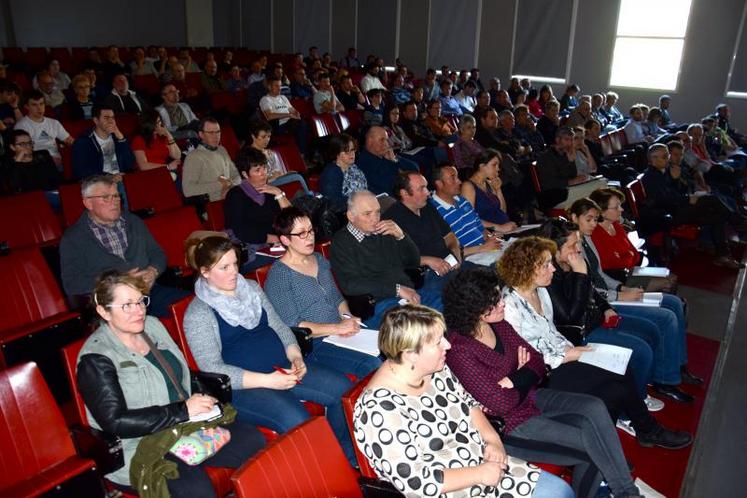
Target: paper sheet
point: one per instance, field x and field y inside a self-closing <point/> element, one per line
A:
<point x="606" y="356"/>
<point x="650" y="271"/>
<point x="365" y="341"/>
<point x="212" y="414"/>
<point x="649" y="299"/>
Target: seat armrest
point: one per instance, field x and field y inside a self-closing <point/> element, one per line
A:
<point x="363" y="305"/>
<point x="102" y="447"/>
<point x="216" y="385"/>
<point x="304" y="339"/>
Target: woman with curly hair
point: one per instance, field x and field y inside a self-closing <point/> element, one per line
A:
<point x="541" y="425"/>
<point x="527" y="268"/>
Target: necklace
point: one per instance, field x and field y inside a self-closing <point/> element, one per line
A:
<point x="414" y="386"/>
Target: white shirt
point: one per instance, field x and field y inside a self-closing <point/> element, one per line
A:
<point x="110" y="155"/>
<point x="369" y="82"/>
<point x="276" y="105"/>
<point x="44" y="134"/>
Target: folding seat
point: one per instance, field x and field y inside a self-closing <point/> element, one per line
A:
<point x="72" y="203"/>
<point x="307" y="462"/>
<point x="171" y="229"/>
<point x="538" y="189"/>
<point x="151" y="190"/>
<point x="146" y="84"/>
<point x="323" y="248"/>
<point x="215" y="215"/>
<point x="219" y="476"/>
<point x="291" y="158"/>
<point x="350" y="121"/>
<point x="13" y="55"/>
<point x="128" y="124"/>
<point x="20" y="79"/>
<point x="304" y="107"/>
<point x="36" y="58"/>
<point x="77" y="128"/>
<point x="229" y="140"/>
<point x="33" y="461"/>
<point x="62" y="55"/>
<point x="28" y="220"/>
<point x="324" y="125"/>
<point x="259" y="275"/>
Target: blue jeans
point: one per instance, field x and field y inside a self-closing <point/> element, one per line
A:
<point x="282" y="410"/>
<point x="427" y="298"/>
<point x="641" y="361"/>
<point x="664" y="330"/>
<point x="552" y="486"/>
<point x="343" y="360"/>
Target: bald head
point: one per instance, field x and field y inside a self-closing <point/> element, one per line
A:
<point x="377" y="141"/>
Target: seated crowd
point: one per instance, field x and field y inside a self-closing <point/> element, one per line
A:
<point x="415" y="232"/>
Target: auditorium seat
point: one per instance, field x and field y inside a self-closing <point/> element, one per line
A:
<point x="350" y="120"/>
<point x="35" y="58"/>
<point x="232" y="102"/>
<point x="170" y="230"/>
<point x="128" y="124"/>
<point x="216" y="219"/>
<point x="304" y="107"/>
<point x="636" y="195"/>
<point x="229" y="140"/>
<point x="71" y="200"/>
<point x="305" y="462"/>
<point x="259" y="275"/>
<point x="153" y="189"/>
<point x="78" y="127"/>
<point x="33" y="461"/>
<point x="28" y="220"/>
<point x="324" y="125"/>
<point x="552" y="212"/>
<point x="290" y="157"/>
<point x="146" y="84"/>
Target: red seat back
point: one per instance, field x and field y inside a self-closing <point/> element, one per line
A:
<point x="36" y="57"/>
<point x="70" y="362"/>
<point x="290" y="157"/>
<point x="229" y="140"/>
<point x="535" y="177"/>
<point x="323" y="248"/>
<point x="171" y="229"/>
<point x="153" y="188"/>
<point x="28" y="291"/>
<point x="306" y="461"/>
<point x="348" y="405"/>
<point x="146" y="84"/>
<point x="128" y="124"/>
<point x="616" y="141"/>
<point x="28" y="220"/>
<point x="32" y="428"/>
<point x="324" y="125"/>
<point x="606" y="144"/>
<point x="216" y="217"/>
<point x="177" y="313"/>
<point x="621" y="137"/>
<point x="72" y="203"/>
<point x="350" y="120"/>
<point x="78" y="127"/>
<point x="259" y="275"/>
<point x="632" y="199"/>
<point x="304" y="107"/>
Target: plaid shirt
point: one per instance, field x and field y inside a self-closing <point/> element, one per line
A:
<point x="359" y="236"/>
<point x="113" y="237"/>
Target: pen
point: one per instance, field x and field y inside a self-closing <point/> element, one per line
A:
<point x="345" y="315"/>
<point x="283" y="371"/>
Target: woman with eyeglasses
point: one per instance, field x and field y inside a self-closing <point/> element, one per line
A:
<point x="233" y="329"/>
<point x="503" y="373"/>
<point x="154" y="147"/>
<point x="29" y="170"/>
<point x="128" y="390"/>
<point x="527" y="268"/>
<point x="341" y="177"/>
<point x="303" y="291"/>
<point x="251" y="206"/>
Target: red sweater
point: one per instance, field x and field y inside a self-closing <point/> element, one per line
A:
<point x="480" y="368"/>
<point x="616" y="252"/>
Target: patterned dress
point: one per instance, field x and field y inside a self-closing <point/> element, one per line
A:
<point x="410" y="440"/>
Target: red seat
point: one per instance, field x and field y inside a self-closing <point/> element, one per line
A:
<point x="304" y="107"/>
<point x="72" y="203"/>
<point x="216" y="219"/>
<point x="78" y="127"/>
<point x="323" y="248"/>
<point x="128" y="124"/>
<point x="151" y="189"/>
<point x="305" y="462"/>
<point x="146" y="84"/>
<point x="36" y="57"/>
<point x="34" y="461"/>
<point x="290" y="157"/>
<point x="62" y="55"/>
<point x="229" y="140"/>
<point x="552" y="212"/>
<point x="324" y="125"/>
<point x="233" y="102"/>
<point x="28" y="220"/>
<point x="637" y="196"/>
<point x="171" y="229"/>
<point x="219" y="476"/>
<point x="30" y="298"/>
<point x="259" y="275"/>
<point x="20" y="79"/>
<point x="606" y="143"/>
<point x="13" y="55"/>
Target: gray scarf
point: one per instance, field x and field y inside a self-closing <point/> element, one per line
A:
<point x="244" y="308"/>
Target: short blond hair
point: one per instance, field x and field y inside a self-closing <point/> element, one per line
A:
<point x="407" y="328"/>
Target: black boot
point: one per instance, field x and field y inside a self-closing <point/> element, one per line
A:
<point x="673" y="392"/>
<point x="665" y="438"/>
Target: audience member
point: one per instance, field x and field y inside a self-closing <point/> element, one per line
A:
<point x="122" y="99"/>
<point x="283" y="117"/>
<point x="233" y="329"/>
<point x="104" y="149"/>
<point x="441" y="127"/>
<point x="113" y="65"/>
<point x="260" y="133"/>
<point x="185" y="59"/>
<point x="27" y="170"/>
<point x="121" y="375"/>
<point x="579" y="115"/>
<point x="569" y="100"/>
<point x="450" y="106"/>
<point x="349" y="95"/>
<point x="325" y="100"/>
<point x="142" y="66"/>
<point x="177" y="116"/>
<point x="549" y="123"/>
<point x="210" y="80"/>
<point x="555" y="167"/>
<point x="418" y="132"/>
<point x="341" y="177"/>
<point x="370" y="255"/>
<point x="10" y="99"/>
<point x="44" y="131"/>
<point x="379" y="163"/>
<point x="586" y="165"/>
<point x="61" y="80"/>
<point x="153" y="146"/>
<point x="723" y="117"/>
<point x="373" y="112"/>
<point x="208" y="169"/>
<point x="236" y="82"/>
<point x="468" y="460"/>
<point x="614" y="115"/>
<point x="293" y="286"/>
<point x="53" y="96"/>
<point x="371" y="79"/>
<point x="301" y="87"/>
<point x="466" y="148"/>
<point x="483" y="191"/>
<point x="350" y="61"/>
<point x="107" y="238"/>
<point x="80" y="106"/>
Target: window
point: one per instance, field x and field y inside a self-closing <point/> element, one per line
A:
<point x="648" y="47"/>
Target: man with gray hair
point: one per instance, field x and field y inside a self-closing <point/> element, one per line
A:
<point x="370" y="255"/>
<point x="107" y="238"/>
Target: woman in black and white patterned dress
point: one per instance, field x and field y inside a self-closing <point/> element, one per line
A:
<point x="424" y="433"/>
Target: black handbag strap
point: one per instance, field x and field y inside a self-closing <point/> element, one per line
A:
<point x="166" y="368"/>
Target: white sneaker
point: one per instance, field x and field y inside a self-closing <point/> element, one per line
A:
<point x="625" y="426"/>
<point x="647" y="490"/>
<point x="653" y="404"/>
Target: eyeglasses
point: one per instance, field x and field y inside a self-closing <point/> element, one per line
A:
<point x="303" y="235"/>
<point x="141" y="303"/>
<point x="105" y="197"/>
<point x="30" y="143"/>
<point x="211" y="132"/>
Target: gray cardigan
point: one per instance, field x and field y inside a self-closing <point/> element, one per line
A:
<point x="203" y="336"/>
<point x="83" y="258"/>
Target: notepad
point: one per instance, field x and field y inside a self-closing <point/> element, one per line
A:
<point x="523" y="228"/>
<point x="365" y="341"/>
<point x="606" y="356"/>
<point x="216" y="412"/>
<point x="649" y="299"/>
<point x="451" y="260"/>
<point x="651" y="271"/>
